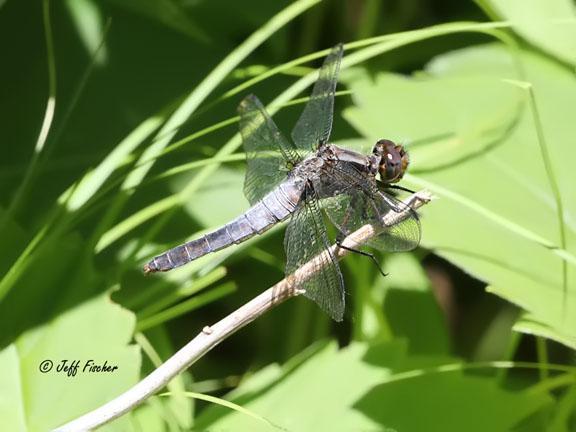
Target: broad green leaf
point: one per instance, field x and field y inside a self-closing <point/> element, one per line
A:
<point x="530" y="325"/>
<point x="396" y="306"/>
<point x="405" y="273"/>
<point x="363" y="387"/>
<point x="46" y="285"/>
<point x="316" y="396"/>
<point x="147" y="416"/>
<point x="495" y="215"/>
<point x="447" y="133"/>
<point x="449" y="401"/>
<point x="550" y="25"/>
<point x="411" y="308"/>
<point x="97" y="330"/>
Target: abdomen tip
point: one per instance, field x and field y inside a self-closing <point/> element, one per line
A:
<point x="149" y="268"/>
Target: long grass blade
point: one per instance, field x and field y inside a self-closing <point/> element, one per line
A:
<point x="227" y="404"/>
<point x="94" y="180"/>
<point x="492" y="28"/>
<point x="212" y="80"/>
<point x="46" y="122"/>
<point x="168" y="299"/>
<point x="186" y="306"/>
<point x="494" y="217"/>
<point x="192" y="102"/>
<point x="78" y="90"/>
<point x="548" y="167"/>
<point x="135" y="220"/>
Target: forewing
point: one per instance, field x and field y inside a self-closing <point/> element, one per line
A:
<point x="306" y="241"/>
<point x="315" y="122"/>
<point x="268" y="153"/>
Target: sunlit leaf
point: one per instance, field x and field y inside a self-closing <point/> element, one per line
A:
<point x="550" y="25"/>
<point x="495" y="216"/>
<point x="360" y="388"/>
<point x="97" y="331"/>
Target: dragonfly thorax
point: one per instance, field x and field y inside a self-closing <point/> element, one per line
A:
<point x="310" y="168"/>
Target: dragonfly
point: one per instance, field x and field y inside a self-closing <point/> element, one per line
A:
<point x="303" y="179"/>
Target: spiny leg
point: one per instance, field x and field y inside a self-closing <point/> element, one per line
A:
<point x="383" y="186"/>
<point x="359" y="252"/>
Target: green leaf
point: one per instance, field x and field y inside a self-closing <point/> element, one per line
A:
<point x="409" y="302"/>
<point x="447" y="135"/>
<point x="397" y="305"/>
<point x="549" y="25"/>
<point x="361" y="387"/>
<point x="474" y="402"/>
<point x="96" y="330"/>
<point x="44" y="285"/>
<point x="530" y="325"/>
<point x="495" y="216"/>
<point x="316" y="396"/>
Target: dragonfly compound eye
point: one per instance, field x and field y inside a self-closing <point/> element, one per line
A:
<point x="394" y="160"/>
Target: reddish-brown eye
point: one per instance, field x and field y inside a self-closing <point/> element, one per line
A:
<point x="393" y="162"/>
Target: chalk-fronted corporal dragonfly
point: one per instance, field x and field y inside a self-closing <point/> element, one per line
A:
<point x="298" y="179"/>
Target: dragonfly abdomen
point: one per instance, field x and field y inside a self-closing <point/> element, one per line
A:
<point x="273" y="208"/>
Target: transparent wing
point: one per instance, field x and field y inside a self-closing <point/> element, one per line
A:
<point x="315" y="122"/>
<point x="268" y="153"/>
<point x="306" y="239"/>
<point x="397" y="224"/>
<point x="356" y="200"/>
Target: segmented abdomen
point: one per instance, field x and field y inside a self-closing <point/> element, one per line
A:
<point x="273" y="208"/>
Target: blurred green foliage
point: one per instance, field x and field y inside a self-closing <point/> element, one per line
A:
<point x="119" y="140"/>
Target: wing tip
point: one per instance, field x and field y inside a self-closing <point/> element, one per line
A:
<point x="337" y="50"/>
<point x="248" y="102"/>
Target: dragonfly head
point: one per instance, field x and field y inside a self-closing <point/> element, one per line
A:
<point x="393" y="160"/>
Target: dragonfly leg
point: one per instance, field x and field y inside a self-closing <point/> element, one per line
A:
<point x="359" y="252"/>
<point x="384" y="186"/>
<point x="402" y="188"/>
